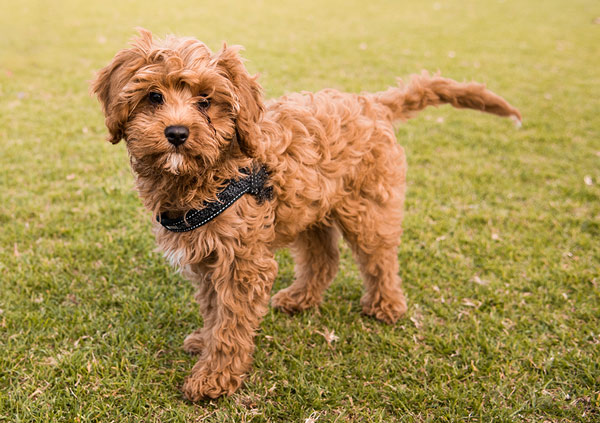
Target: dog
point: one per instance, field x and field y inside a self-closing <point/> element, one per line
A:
<point x="229" y="179"/>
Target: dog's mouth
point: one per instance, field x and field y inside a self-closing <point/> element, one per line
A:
<point x="173" y="162"/>
<point x="181" y="163"/>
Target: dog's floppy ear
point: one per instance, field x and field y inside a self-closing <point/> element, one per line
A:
<point x="111" y="80"/>
<point x="249" y="105"/>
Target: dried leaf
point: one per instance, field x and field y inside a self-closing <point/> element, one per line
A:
<point x="479" y="281"/>
<point x="50" y="361"/>
<point x="72" y="298"/>
<point x="314" y="416"/>
<point x="468" y="302"/>
<point x="416" y="322"/>
<point x="329" y="336"/>
<point x="35" y="393"/>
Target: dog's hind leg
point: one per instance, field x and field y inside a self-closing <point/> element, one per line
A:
<point x="374" y="235"/>
<point x="317" y="256"/>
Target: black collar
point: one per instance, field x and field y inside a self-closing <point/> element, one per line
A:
<point x="253" y="184"/>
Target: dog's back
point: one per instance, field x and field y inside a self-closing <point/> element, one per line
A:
<point x="330" y="151"/>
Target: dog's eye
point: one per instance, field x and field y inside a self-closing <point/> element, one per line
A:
<point x="155" y="98"/>
<point x="203" y="103"/>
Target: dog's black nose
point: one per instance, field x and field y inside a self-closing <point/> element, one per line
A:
<point x="177" y="134"/>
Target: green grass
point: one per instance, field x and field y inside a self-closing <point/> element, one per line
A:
<point x="500" y="256"/>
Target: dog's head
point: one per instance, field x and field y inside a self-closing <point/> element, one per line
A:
<point x="179" y="106"/>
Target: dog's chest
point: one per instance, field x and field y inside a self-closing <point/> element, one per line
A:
<point x="175" y="256"/>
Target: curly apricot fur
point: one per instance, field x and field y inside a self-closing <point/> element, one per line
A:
<point x="335" y="168"/>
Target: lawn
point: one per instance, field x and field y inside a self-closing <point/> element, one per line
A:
<point x="501" y="249"/>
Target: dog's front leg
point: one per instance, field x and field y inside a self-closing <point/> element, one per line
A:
<point x="241" y="286"/>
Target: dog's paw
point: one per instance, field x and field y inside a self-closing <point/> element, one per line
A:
<point x="194" y="342"/>
<point x="203" y="384"/>
<point x="292" y="301"/>
<point x="386" y="310"/>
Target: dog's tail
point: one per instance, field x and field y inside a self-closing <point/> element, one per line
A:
<point x="424" y="90"/>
